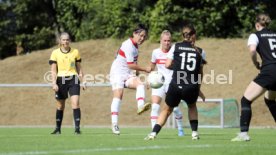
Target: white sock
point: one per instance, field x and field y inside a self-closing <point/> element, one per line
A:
<point x="243" y="133"/>
<point x="178" y="118"/>
<point x="154" y="114"/>
<point x="115" y="108"/>
<point x="140" y="95"/>
<point x="194" y="133"/>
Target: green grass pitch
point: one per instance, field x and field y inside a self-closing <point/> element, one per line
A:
<point x="38" y="141"/>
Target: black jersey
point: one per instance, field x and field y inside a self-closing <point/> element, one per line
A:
<point x="267" y="46"/>
<point x="200" y="50"/>
<point x="186" y="64"/>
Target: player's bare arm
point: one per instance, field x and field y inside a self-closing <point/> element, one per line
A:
<point x="139" y="68"/>
<point x="169" y="63"/>
<point x="152" y="66"/>
<point x="201" y="94"/>
<point x="54" y="76"/>
<point x="253" y="53"/>
<point x="81" y="74"/>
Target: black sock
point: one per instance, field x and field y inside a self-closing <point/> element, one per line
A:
<point x="194" y="124"/>
<point x="246" y="114"/>
<point x="59" y="117"/>
<point x="156" y="128"/>
<point x="271" y="104"/>
<point x="77" y="117"/>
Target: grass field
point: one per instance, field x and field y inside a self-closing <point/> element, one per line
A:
<point x="36" y="141"/>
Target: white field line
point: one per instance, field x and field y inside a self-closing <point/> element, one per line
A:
<point x="141" y="148"/>
<point x="71" y="126"/>
<point x="156" y="147"/>
<point x="108" y="126"/>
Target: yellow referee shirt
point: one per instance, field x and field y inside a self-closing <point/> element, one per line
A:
<point x="66" y="62"/>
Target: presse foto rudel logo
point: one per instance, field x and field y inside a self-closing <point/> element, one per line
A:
<point x="210" y="77"/>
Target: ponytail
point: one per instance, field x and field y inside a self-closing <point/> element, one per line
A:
<point x="188" y="31"/>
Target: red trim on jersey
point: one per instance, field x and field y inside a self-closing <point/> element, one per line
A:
<point x="154" y="117"/>
<point x="161" y="61"/>
<point x="122" y="53"/>
<point x="114" y="113"/>
<point x="140" y="98"/>
<point x="135" y="60"/>
<point x="134" y="43"/>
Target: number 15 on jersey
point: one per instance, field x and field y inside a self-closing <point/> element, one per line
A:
<point x="189" y="61"/>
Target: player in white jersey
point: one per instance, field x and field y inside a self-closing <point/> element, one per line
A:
<point x="122" y="76"/>
<point x="158" y="60"/>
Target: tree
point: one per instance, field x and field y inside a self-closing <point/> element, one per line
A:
<point x="7" y="30"/>
<point x="36" y="24"/>
<point x="114" y="18"/>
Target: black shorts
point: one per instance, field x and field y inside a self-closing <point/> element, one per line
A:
<point x="69" y="84"/>
<point x="175" y="93"/>
<point x="267" y="77"/>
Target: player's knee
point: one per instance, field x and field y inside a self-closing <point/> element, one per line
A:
<point x="176" y="110"/>
<point x="169" y="110"/>
<point x="60" y="104"/>
<point x="192" y="106"/>
<point x="75" y="105"/>
<point x="245" y="102"/>
<point x="60" y="107"/>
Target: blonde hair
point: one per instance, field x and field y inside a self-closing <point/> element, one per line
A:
<point x="165" y="32"/>
<point x="263" y="19"/>
<point x="64" y="34"/>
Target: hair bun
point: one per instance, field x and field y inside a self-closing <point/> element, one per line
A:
<point x="263" y="19"/>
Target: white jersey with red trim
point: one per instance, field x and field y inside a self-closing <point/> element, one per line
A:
<point x="127" y="54"/>
<point x="159" y="58"/>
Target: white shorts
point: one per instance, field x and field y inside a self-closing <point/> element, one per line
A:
<point x="119" y="81"/>
<point x="160" y="91"/>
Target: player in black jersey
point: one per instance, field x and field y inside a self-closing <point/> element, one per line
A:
<point x="262" y="42"/>
<point x="186" y="62"/>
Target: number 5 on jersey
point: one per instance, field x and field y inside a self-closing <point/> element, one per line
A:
<point x="272" y="44"/>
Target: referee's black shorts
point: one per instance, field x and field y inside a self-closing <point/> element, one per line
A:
<point x="176" y="93"/>
<point x="68" y="84"/>
<point x="267" y="77"/>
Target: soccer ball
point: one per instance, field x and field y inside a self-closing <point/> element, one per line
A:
<point x="156" y="79"/>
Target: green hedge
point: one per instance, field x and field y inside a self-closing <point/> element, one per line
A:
<point x="35" y="24"/>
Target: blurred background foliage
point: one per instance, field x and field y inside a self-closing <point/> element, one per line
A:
<point x="27" y="25"/>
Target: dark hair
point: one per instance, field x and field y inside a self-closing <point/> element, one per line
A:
<point x="187" y="31"/>
<point x="263" y="19"/>
<point x="139" y="28"/>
